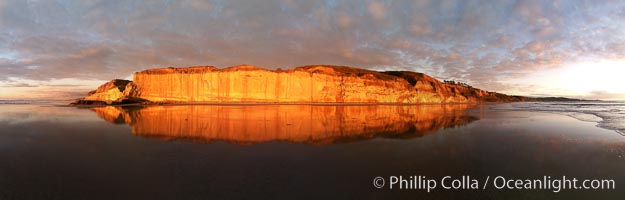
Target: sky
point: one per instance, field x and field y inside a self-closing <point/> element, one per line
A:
<point x="64" y="48"/>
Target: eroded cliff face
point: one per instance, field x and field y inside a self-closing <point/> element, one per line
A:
<point x="308" y="84"/>
<point x="110" y="91"/>
<point x="288" y="123"/>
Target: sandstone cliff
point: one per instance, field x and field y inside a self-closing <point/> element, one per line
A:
<point x="307" y="84"/>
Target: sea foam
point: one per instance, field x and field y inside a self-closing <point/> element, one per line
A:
<point x="608" y="115"/>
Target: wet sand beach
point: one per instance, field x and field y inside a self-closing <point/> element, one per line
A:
<point x="295" y="151"/>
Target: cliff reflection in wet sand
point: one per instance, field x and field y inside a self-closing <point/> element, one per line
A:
<point x="315" y="124"/>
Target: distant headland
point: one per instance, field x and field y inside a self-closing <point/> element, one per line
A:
<point x="306" y="84"/>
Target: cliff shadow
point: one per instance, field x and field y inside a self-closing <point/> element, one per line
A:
<point x="310" y="124"/>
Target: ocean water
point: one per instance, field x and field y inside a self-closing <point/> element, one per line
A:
<point x="35" y="102"/>
<point x="608" y="115"/>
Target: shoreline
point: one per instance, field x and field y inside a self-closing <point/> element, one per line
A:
<point x="569" y="113"/>
<point x="275" y="103"/>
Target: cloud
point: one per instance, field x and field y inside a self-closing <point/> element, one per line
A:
<point x="377" y="10"/>
<point x="64" y="85"/>
<point x="197" y="4"/>
<point x="483" y="43"/>
<point x="20" y="85"/>
<point x="603" y="95"/>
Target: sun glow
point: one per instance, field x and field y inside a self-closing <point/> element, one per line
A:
<point x="586" y="77"/>
<point x="601" y="79"/>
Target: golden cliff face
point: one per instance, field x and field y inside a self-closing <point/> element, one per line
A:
<point x="308" y="84"/>
<point x="288" y="123"/>
<point x="108" y="92"/>
<point x="250" y="84"/>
